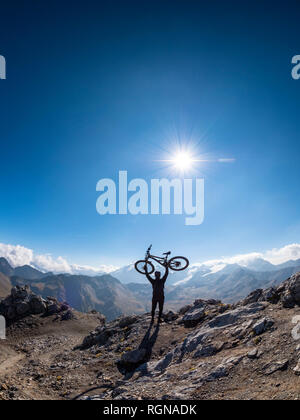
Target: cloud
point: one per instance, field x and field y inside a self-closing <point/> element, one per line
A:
<point x="241" y="259"/>
<point x="274" y="256"/>
<point x="18" y="255"/>
<point x="280" y="255"/>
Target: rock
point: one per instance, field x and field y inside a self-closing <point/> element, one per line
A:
<point x="127" y="320"/>
<point x="235" y="315"/>
<point x="20" y="293"/>
<point x="259" y="295"/>
<point x="22" y="308"/>
<point x="252" y="354"/>
<point x="64" y="306"/>
<point x="53" y="308"/>
<point x="290" y="290"/>
<point x="275" y="366"/>
<point x="193" y="316"/>
<point x="270" y="295"/>
<point x="37" y="304"/>
<point x="100" y="337"/>
<point x="193" y="341"/>
<point x="202" y="302"/>
<point x="252" y="297"/>
<point x="294" y="287"/>
<point x="262" y="325"/>
<point x="170" y="316"/>
<point x="165" y="362"/>
<point x="67" y="315"/>
<point x="205" y="351"/>
<point x="241" y="330"/>
<point x="10" y="312"/>
<point x="133" y="357"/>
<point x="287" y="300"/>
<point x="184" y="309"/>
<point x="23" y="302"/>
<point x="296" y="369"/>
<point x="222" y="369"/>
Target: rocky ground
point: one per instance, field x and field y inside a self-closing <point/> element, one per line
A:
<point x="208" y="350"/>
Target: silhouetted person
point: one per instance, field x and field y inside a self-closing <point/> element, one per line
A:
<point x="158" y="296"/>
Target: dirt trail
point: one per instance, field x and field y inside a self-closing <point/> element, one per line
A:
<point x="10" y="363"/>
<point x="34" y="358"/>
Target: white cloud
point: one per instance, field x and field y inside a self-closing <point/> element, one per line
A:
<point x="274" y="256"/>
<point x="280" y="255"/>
<point x="18" y="255"/>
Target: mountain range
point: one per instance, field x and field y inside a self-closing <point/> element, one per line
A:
<point x="125" y="291"/>
<point x="85" y="293"/>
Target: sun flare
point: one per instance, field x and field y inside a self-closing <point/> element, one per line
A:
<point x="182" y="161"/>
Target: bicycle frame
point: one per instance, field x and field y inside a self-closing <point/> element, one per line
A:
<point x="160" y="260"/>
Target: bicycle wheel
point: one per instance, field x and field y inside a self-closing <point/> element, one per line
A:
<point x="178" y="263"/>
<point x="140" y="266"/>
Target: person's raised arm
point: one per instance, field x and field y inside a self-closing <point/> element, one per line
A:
<point x="148" y="275"/>
<point x="166" y="273"/>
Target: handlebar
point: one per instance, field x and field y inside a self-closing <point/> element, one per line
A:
<point x="148" y="251"/>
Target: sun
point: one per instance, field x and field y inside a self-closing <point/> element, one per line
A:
<point x="183" y="161"/>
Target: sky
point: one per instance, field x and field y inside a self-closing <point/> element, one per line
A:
<point x="106" y="86"/>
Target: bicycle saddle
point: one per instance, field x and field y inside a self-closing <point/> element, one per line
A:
<point x="167" y="253"/>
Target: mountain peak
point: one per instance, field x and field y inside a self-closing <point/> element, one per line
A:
<point x="5" y="267"/>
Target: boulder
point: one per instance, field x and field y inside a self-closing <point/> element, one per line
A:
<point x="37" y="304"/>
<point x="262" y="325"/>
<point x="289" y="291"/>
<point x="252" y="297"/>
<point x="100" y="337"/>
<point x="133" y="357"/>
<point x="294" y="287"/>
<point x="206" y="351"/>
<point x="10" y="313"/>
<point x="222" y="369"/>
<point x="193" y="316"/>
<point x="66" y="316"/>
<point x="127" y="320"/>
<point x="20" y="293"/>
<point x="270" y="295"/>
<point x="170" y="316"/>
<point x="252" y="354"/>
<point x="236" y="315"/>
<point x="184" y="309"/>
<point x="275" y="366"/>
<point x="53" y="308"/>
<point x="22" y="308"/>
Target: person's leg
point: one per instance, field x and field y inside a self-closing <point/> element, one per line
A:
<point x="154" y="303"/>
<point x="161" y="306"/>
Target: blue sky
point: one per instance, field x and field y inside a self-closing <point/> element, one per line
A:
<point x="108" y="86"/>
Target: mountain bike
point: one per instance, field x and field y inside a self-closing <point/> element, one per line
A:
<point x="174" y="263"/>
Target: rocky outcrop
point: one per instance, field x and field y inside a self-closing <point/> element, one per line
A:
<point x="290" y="291"/>
<point x="23" y="302"/>
<point x="287" y="293"/>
